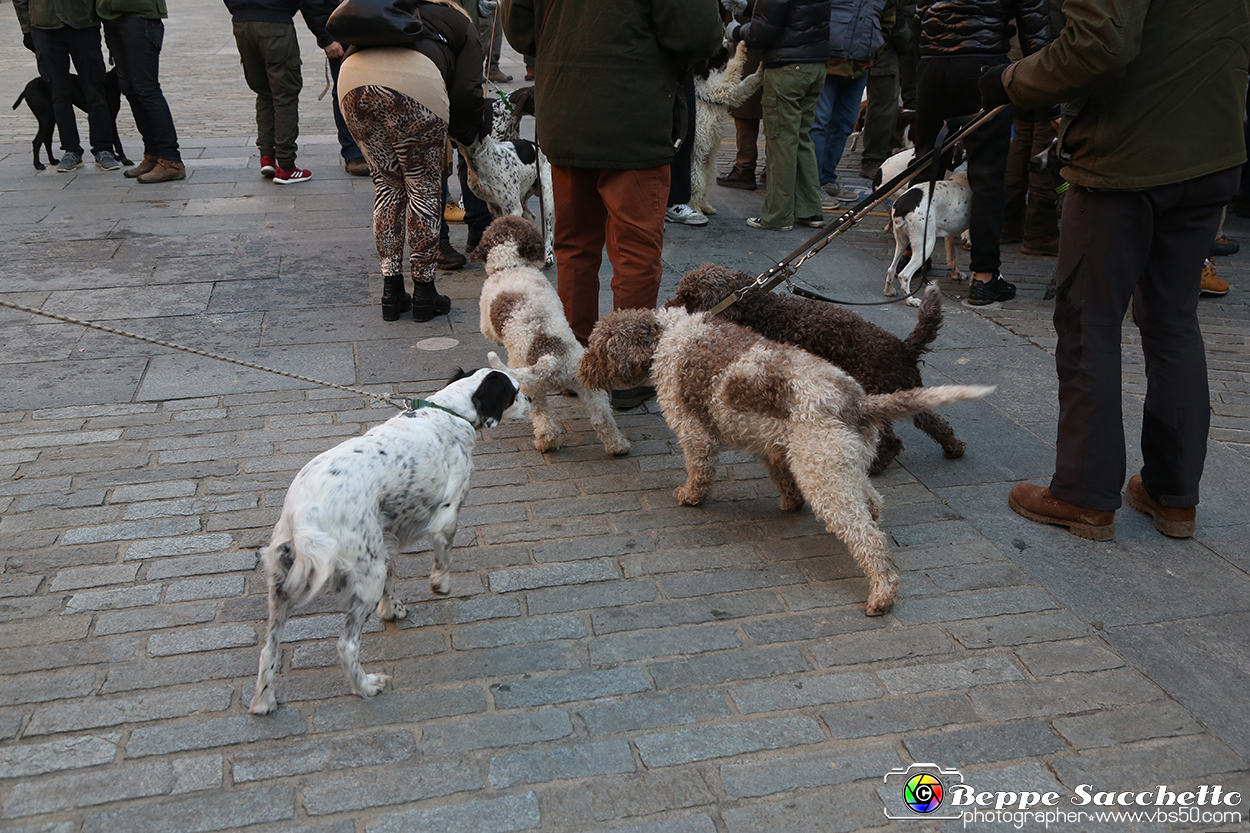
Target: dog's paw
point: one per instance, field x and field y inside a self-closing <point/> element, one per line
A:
<point x="686" y="496"/>
<point x="440" y="582"/>
<point x="391" y="609"/>
<point x="913" y="301"/>
<point x="620" y="449"/>
<point x="881" y="595"/>
<point x="791" y="504"/>
<point x="954" y="450"/>
<point x="547" y="441"/>
<point x="373" y="684"/>
<point x="264" y="702"/>
<point x="890" y="291"/>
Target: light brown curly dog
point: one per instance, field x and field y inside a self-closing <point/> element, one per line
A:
<point x="723" y="386"/>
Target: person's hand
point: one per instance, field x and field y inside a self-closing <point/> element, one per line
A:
<point x="334" y="50"/>
<point x="486" y="8"/>
<point x="733" y="32"/>
<point x="734" y="6"/>
<point x="990" y="85"/>
<point x="28" y="41"/>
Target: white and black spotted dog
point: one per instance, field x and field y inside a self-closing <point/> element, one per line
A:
<point x="506" y="174"/>
<point x="353" y="508"/>
<point x="521" y="312"/>
<point x="508" y="112"/>
<point x="918" y="226"/>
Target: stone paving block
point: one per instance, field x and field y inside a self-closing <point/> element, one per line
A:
<point x="802" y="627"/>
<point x="689" y="824"/>
<point x="591" y="548"/>
<point x="882" y="645"/>
<point x="1147" y="764"/>
<point x="623" y="594"/>
<point x="889" y="717"/>
<point x="62" y="500"/>
<point x="52" y="756"/>
<point x="169" y="671"/>
<point x="539" y="629"/>
<point x="60" y="655"/>
<point x="188" y="506"/>
<point x="94" y="787"/>
<point x="461" y="611"/>
<point x="178" y="546"/>
<point x="131" y="530"/>
<point x="729" y="581"/>
<point x="684" y="639"/>
<point x="797" y="693"/>
<point x="324" y="754"/>
<point x="143" y="595"/>
<point x="34" y="607"/>
<point x="198" y="565"/>
<point x="1018" y="630"/>
<point x="491" y="731"/>
<point x="157" y="618"/>
<point x="153" y="491"/>
<point x="43" y="632"/>
<point x="620" y="797"/>
<point x="214" y="731"/>
<point x="393" y="644"/>
<point x="80" y="577"/>
<point x="829" y="810"/>
<point x="19" y="585"/>
<point x="1108" y="728"/>
<point x="528" y="578"/>
<point x="398" y="708"/>
<point x="190" y="590"/>
<point x="97" y="713"/>
<point x="653" y="711"/>
<point x="985" y="744"/>
<point x="689" y="612"/>
<point x="722" y="740"/>
<point x="14" y="522"/>
<point x="582" y="760"/>
<point x="822" y="769"/>
<point x="564" y="688"/>
<point x="972" y="605"/>
<point x="978" y="577"/>
<point x="199" y="815"/>
<point x="411" y="782"/>
<point x="203" y="639"/>
<point x="512" y="661"/>
<point x="1050" y="658"/>
<point x="302" y="628"/>
<point x="40" y="687"/>
<point x="738" y="665"/>
<point x="962" y="674"/>
<point x="496" y="815"/>
<point x="1067" y="694"/>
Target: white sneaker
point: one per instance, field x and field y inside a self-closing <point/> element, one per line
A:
<point x="684" y="214"/>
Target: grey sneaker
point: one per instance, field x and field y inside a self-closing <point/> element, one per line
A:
<point x="106" y="161"/>
<point x="837" y="192"/>
<point x="70" y="161"/>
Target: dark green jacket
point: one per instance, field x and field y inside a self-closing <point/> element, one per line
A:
<point x="56" y="14"/>
<point x="607" y="75"/>
<point x="113" y="9"/>
<point x="1153" y="93"/>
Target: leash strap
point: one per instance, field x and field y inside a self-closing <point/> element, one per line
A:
<point x="787" y="266"/>
<point x="411" y="406"/>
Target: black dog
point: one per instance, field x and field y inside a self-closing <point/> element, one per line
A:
<point x="38" y="96"/>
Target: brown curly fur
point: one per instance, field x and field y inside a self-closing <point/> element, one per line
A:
<point x="511" y="229"/>
<point x="877" y="359"/>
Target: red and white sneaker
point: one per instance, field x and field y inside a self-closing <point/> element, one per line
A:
<point x="268" y="166"/>
<point x="282" y="176"/>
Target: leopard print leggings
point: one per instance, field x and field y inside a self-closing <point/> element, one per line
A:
<point x="403" y="143"/>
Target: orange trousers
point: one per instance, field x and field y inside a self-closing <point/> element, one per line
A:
<point x="622" y="210"/>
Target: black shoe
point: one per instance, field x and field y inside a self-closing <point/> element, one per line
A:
<point x="811" y="222"/>
<point x="426" y="302"/>
<point x="981" y="293"/>
<point x="623" y="400"/>
<point x="472" y="243"/>
<point x="395" y="301"/>
<point x="449" y="258"/>
<point x="1228" y="247"/>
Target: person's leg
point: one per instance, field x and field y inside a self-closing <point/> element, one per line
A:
<point x="476" y="212"/>
<point x="882" y="114"/>
<point x="1177" y="415"/>
<point x="580" y="232"/>
<point x="247" y="39"/>
<point x="679" y="168"/>
<point x="347" y="145"/>
<point x="1016" y="179"/>
<point x="1041" y="215"/>
<point x="784" y="90"/>
<point x="52" y="57"/>
<point x="806" y="186"/>
<point x="635" y="201"/>
<point x="118" y="37"/>
<point x="84" y="49"/>
<point x="282" y="66"/>
<point x="145" y="38"/>
<point x="842" y="117"/>
<point x="987" y="148"/>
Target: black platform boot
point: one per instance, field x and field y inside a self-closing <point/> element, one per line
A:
<point x="426" y="302"/>
<point x="395" y="300"/>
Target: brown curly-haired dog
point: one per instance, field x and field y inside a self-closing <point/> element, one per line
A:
<point x="879" y="360"/>
<point x="522" y="313"/>
<point x="724" y="386"/>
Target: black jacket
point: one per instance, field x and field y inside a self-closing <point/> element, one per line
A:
<point x="789" y="31"/>
<point x="981" y="27"/>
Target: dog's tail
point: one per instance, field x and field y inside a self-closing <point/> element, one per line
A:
<point x="301" y="564"/>
<point x="907" y="403"/>
<point x="927" y="324"/>
<point x="20" y="97"/>
<point x="539" y="370"/>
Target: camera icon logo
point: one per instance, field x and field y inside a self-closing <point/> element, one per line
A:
<point x="919" y="792"/>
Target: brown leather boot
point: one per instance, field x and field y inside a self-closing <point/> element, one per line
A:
<point x="1173" y="521"/>
<point x="1037" y="504"/>
<point x="166" y="170"/>
<point x="148" y="163"/>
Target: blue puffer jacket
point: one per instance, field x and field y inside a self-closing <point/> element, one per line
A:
<point x="789" y="31"/>
<point x="855" y="28"/>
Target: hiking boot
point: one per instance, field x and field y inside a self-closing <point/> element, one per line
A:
<point x="268" y="167"/>
<point x="291" y="176"/>
<point x="453" y="213"/>
<point x="684" y="214"/>
<point x="70" y="161"/>
<point x="357" y="166"/>
<point x="1211" y="285"/>
<point x="1042" y="247"/>
<point x="449" y="258"/>
<point x="1172" y="521"/>
<point x="148" y="163"/>
<point x="426" y="302"/>
<point x="499" y="76"/>
<point x="740" y="178"/>
<point x="395" y="300"/>
<point x="623" y="400"/>
<point x="981" y="293"/>
<point x="166" y="170"/>
<point x="1037" y="504"/>
<point x="106" y="161"/>
<point x="754" y="222"/>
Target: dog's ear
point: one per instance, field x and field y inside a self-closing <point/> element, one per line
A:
<point x="493" y="396"/>
<point x="620" y="350"/>
<point x="457" y="374"/>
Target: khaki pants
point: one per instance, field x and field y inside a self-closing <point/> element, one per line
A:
<point x="269" y="53"/>
<point x="789" y="104"/>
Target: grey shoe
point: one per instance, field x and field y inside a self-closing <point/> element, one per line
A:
<point x="837" y="192"/>
<point x="106" y="161"/>
<point x="70" y="161"/>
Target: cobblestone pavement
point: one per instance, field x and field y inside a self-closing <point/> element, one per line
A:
<point x="606" y="660"/>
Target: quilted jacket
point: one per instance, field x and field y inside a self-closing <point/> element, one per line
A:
<point x="789" y="31"/>
<point x="981" y="27"/>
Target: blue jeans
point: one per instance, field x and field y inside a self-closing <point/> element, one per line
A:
<point x="349" y="148"/>
<point x="836" y="112"/>
<point x="54" y="49"/>
<point x="135" y="44"/>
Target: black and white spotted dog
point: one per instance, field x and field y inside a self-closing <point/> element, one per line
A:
<point x="353" y="508"/>
<point x="917" y="225"/>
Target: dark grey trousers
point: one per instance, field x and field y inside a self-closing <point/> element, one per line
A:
<point x="1147" y="248"/>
